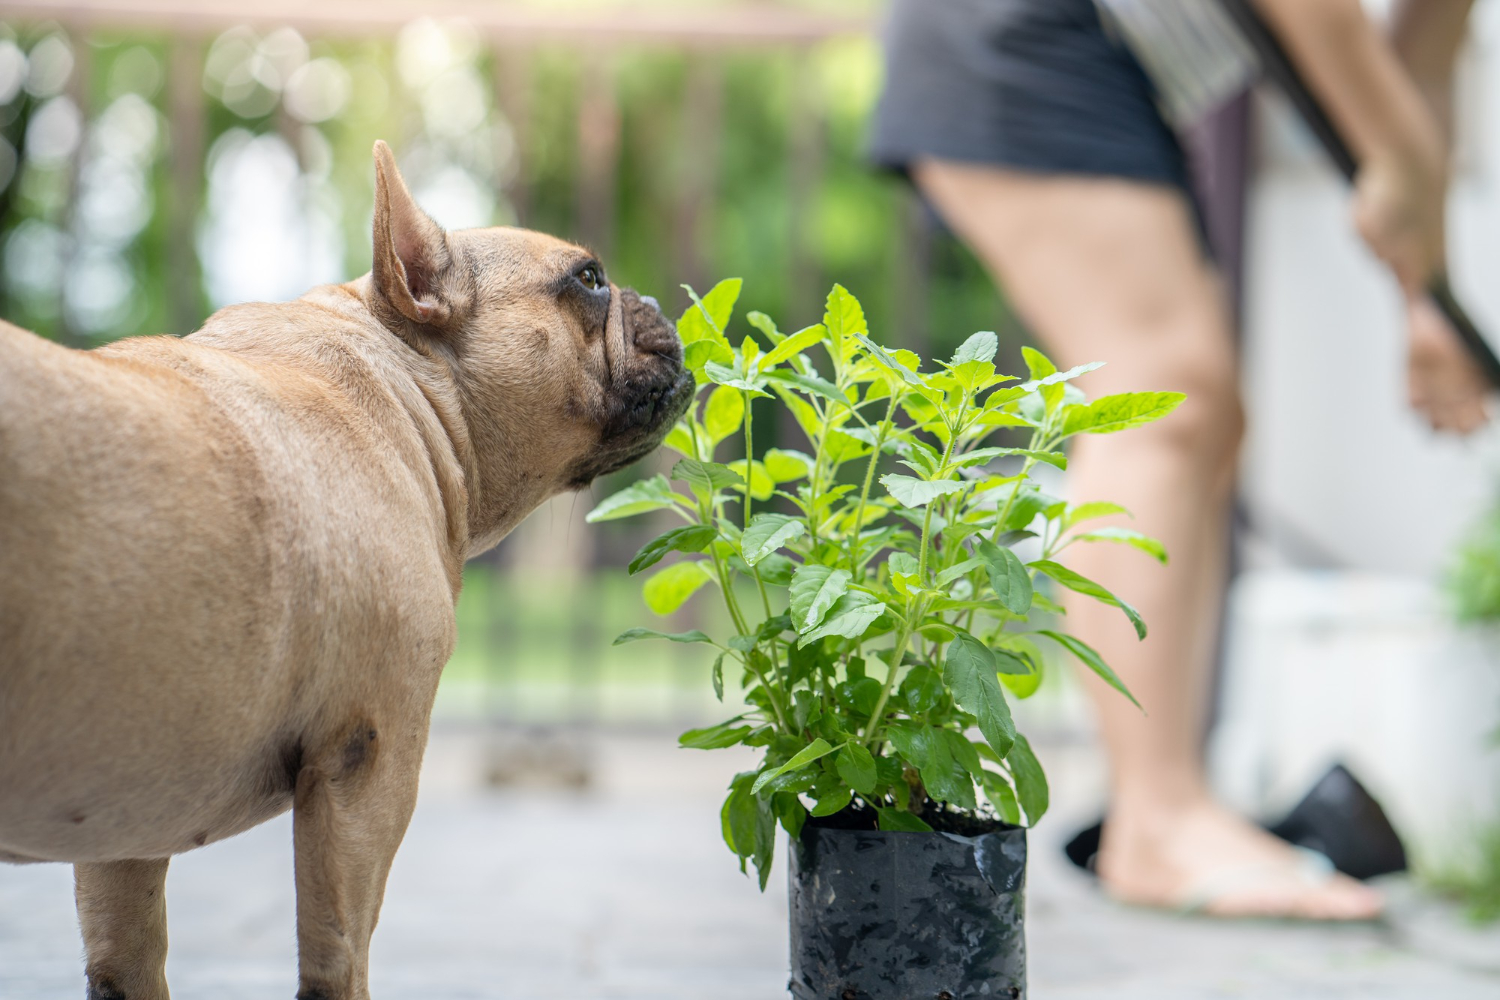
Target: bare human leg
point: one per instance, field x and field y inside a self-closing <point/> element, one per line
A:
<point x="1103" y="269"/>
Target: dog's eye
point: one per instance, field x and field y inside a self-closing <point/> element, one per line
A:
<point x="590" y="277"/>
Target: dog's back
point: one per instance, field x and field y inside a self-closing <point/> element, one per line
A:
<point x="182" y="579"/>
<point x="130" y="559"/>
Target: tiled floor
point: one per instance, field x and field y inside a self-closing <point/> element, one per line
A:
<point x="627" y="892"/>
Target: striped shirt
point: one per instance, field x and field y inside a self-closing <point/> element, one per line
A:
<point x="1191" y="49"/>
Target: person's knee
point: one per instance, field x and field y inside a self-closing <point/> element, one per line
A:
<point x="1208" y="428"/>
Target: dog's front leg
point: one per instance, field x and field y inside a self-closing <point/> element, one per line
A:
<point x="351" y="810"/>
<point x="122" y="910"/>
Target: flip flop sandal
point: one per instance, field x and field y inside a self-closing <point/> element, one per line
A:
<point x="1310" y="868"/>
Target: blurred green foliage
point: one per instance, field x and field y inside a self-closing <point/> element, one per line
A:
<point x="1473" y="579"/>
<point x="782" y="232"/>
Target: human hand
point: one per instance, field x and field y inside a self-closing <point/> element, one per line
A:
<point x="1398" y="209"/>
<point x="1443" y="381"/>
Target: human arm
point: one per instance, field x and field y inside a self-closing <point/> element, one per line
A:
<point x="1402" y="181"/>
<point x="1427" y="35"/>
<point x="1443" y="382"/>
<point x="1399" y="140"/>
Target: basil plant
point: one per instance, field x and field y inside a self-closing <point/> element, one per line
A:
<point x="878" y="619"/>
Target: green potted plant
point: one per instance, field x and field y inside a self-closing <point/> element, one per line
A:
<point x="878" y="620"/>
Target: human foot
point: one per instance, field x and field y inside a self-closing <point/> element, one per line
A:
<point x="1202" y="858"/>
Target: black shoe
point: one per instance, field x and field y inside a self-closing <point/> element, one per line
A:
<point x="1338" y="819"/>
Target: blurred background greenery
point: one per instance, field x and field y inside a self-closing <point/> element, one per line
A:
<point x="154" y="168"/>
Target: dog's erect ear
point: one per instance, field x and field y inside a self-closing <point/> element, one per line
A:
<point x="411" y="251"/>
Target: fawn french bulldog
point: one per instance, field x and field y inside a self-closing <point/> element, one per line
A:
<point x="228" y="562"/>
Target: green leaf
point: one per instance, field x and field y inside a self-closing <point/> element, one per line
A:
<point x="706" y="478"/>
<point x="762" y="486"/>
<point x="999" y="792"/>
<point x="982" y="456"/>
<point x="913" y="742"/>
<point x="839" y="447"/>
<point x="637" y="498"/>
<point x="944" y="774"/>
<point x="1008" y="577"/>
<point x="1119" y="412"/>
<point x="724" y="375"/>
<point x="963" y="751"/>
<point x="856" y="766"/>
<point x="845" y="320"/>
<point x="851" y="617"/>
<point x="739" y="816"/>
<point x="970" y="672"/>
<point x="809" y="384"/>
<point x="922" y="690"/>
<point x="776" y="570"/>
<point x="797" y="342"/>
<point x="814" y="590"/>
<point x="680" y="440"/>
<point x="1022" y="684"/>
<point x="1089" y="511"/>
<point x="724" y="413"/>
<point x="981" y="346"/>
<point x="718" y="677"/>
<point x="1156" y="550"/>
<point x="1058" y="378"/>
<point x="902" y="564"/>
<point x="1083" y="585"/>
<point x="634" y="634"/>
<point x="764" y="324"/>
<point x="1031" y="781"/>
<point x="785" y="466"/>
<point x="725" y="734"/>
<point x="858" y="695"/>
<point x="697" y="355"/>
<point x="1090" y="659"/>
<point x="708" y="317"/>
<point x="792" y="813"/>
<point x="701" y="328"/>
<point x="767" y="533"/>
<point x="889" y="362"/>
<point x="667" y="589"/>
<point x="689" y="538"/>
<point x="952" y="573"/>
<point x="835" y="801"/>
<point x="1037" y="363"/>
<point x="901" y="822"/>
<point x="817" y="748"/>
<point x="1028" y="504"/>
<point x="910" y="492"/>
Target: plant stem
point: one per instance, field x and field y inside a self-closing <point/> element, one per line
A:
<point x="903" y="638"/>
<point x="817" y="475"/>
<point x="760" y="584"/>
<point x="735" y="614"/>
<point x="927" y="518"/>
<point x="1011" y="500"/>
<point x="864" y="493"/>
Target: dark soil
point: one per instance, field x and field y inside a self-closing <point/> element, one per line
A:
<point x="943" y="820"/>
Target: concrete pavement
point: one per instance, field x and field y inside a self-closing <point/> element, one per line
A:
<point x="625" y="892"/>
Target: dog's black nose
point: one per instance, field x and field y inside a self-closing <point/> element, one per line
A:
<point x="650" y="331"/>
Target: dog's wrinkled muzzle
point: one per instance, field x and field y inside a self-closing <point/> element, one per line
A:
<point x="651" y="390"/>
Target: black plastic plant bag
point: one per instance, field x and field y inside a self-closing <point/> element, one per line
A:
<point x="907" y="916"/>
